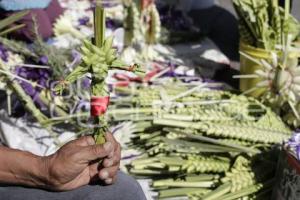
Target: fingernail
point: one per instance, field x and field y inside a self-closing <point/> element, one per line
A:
<point x="108" y="181"/>
<point x="108" y="146"/>
<point x="104" y="174"/>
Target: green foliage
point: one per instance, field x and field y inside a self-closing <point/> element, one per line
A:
<point x="153" y="32"/>
<point x="18" y="47"/>
<point x="205" y="131"/>
<point x="6" y="24"/>
<point x="264" y="24"/>
<point x="199" y="164"/>
<point x="132" y="23"/>
<point x="57" y="57"/>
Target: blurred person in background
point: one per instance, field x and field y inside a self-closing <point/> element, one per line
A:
<point x="218" y="23"/>
<point x="45" y="12"/>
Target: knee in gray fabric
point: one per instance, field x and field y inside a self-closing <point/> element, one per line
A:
<point x="125" y="188"/>
<point x="130" y="187"/>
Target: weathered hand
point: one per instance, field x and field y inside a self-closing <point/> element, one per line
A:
<point x="111" y="164"/>
<point x="77" y="163"/>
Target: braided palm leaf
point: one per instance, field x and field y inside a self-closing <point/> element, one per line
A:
<point x="290" y="26"/>
<point x="280" y="80"/>
<point x="181" y="164"/>
<point x="244" y="132"/>
<point x="96" y="61"/>
<point x="201" y="164"/>
<point x="146" y="96"/>
<point x="197" y="195"/>
<point x="253" y="16"/>
<point x="197" y="114"/>
<point x="276" y="20"/>
<point x="236" y="141"/>
<point x="132" y="24"/>
<point x="264" y="130"/>
<point x="241" y="181"/>
<point x="153" y="30"/>
<point x="179" y="142"/>
<point x="246" y="34"/>
<point x="240" y="176"/>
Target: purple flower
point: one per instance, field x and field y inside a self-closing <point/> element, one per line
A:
<point x="298" y="152"/>
<point x="86" y="83"/>
<point x="110" y="24"/>
<point x="28" y="88"/>
<point x="294" y="145"/>
<point x="108" y="4"/>
<point x="40" y="76"/>
<point x="76" y="56"/>
<point x="295" y="140"/>
<point x="44" y="60"/>
<point x="3" y="53"/>
<point x="84" y="21"/>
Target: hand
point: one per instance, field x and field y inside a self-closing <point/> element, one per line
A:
<point x="77" y="163"/>
<point x="111" y="164"/>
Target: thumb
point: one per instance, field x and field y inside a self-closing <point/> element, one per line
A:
<point x="94" y="152"/>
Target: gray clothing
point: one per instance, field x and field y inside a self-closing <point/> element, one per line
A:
<point x="187" y="5"/>
<point x="126" y="188"/>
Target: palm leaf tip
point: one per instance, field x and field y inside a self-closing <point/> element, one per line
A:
<point x="12" y="19"/>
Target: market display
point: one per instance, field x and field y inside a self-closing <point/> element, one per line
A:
<point x="112" y="66"/>
<point x="221" y="153"/>
<point x="269" y="58"/>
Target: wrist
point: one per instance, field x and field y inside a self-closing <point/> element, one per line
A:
<point x="44" y="171"/>
<point x="48" y="173"/>
<point x="40" y="172"/>
<point x="24" y="168"/>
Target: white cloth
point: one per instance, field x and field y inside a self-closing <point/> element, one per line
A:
<point x="18" y="134"/>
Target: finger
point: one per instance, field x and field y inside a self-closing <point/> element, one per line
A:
<point x="94" y="169"/>
<point x="108" y="162"/>
<point x="110" y="181"/>
<point x="107" y="173"/>
<point x="111" y="138"/>
<point x="84" y="141"/>
<point x="95" y="152"/>
<point x="114" y="179"/>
